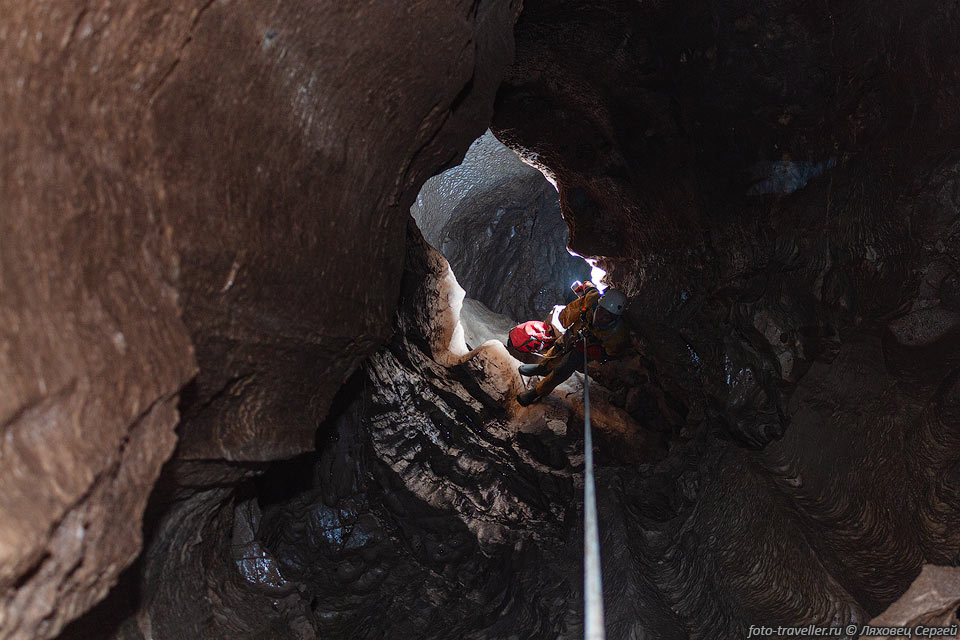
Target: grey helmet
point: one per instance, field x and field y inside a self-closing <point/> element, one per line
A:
<point x="613" y="301"/>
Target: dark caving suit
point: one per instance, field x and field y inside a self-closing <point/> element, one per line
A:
<point x="566" y="355"/>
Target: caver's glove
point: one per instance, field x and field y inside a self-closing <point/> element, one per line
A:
<point x="580" y="288"/>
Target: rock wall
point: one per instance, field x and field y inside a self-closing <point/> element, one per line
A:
<point x="497" y="221"/>
<point x="215" y="189"/>
<point x="428" y="510"/>
<point x="218" y="192"/>
<point x="429" y="484"/>
<point x="769" y="182"/>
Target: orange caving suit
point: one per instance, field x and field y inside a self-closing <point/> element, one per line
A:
<point x="602" y="344"/>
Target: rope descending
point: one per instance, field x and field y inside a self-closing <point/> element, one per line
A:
<point x="593" y="628"/>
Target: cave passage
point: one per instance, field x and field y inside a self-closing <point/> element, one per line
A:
<point x="497" y="222"/>
<point x="242" y="394"/>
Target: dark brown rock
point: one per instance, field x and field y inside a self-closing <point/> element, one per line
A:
<point x="199" y="185"/>
<point x="94" y="348"/>
<point x="774" y="186"/>
<point x="424" y="513"/>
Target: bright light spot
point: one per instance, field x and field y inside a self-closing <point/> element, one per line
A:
<point x="551" y="180"/>
<point x="597" y="274"/>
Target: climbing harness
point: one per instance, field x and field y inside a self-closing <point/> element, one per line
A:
<point x="593" y="628"/>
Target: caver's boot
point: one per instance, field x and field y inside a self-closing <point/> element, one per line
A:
<point x="533" y="370"/>
<point x="528" y="397"/>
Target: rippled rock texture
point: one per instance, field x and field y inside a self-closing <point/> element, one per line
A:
<point x="429" y="510"/>
<point x="219" y="192"/>
<point x="497" y="221"/>
<point x="775" y="187"/>
<point x="217" y="188"/>
<point x="431" y="516"/>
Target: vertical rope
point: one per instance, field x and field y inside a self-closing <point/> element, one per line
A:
<point x="592" y="581"/>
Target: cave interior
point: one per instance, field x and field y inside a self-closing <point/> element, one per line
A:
<point x="258" y="262"/>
